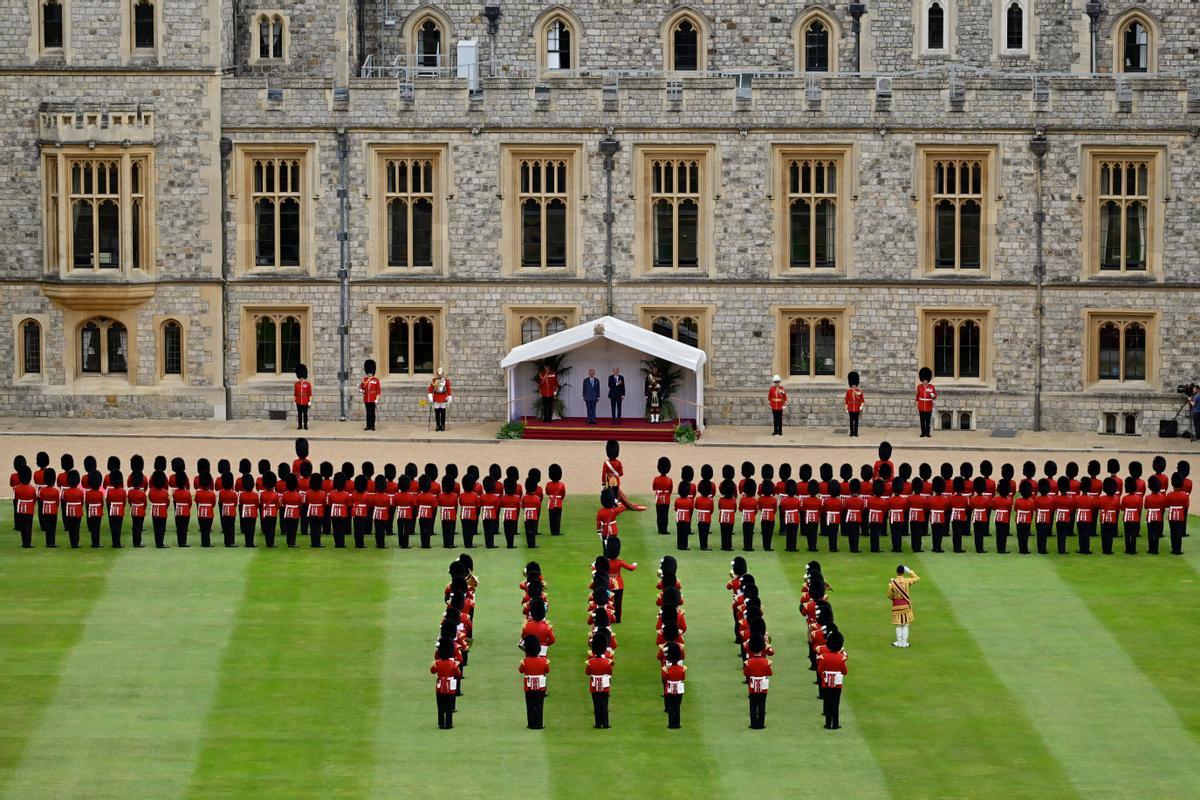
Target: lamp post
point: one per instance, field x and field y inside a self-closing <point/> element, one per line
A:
<point x="1039" y="146"/>
<point x="492" y="14"/>
<point x="856" y="11"/>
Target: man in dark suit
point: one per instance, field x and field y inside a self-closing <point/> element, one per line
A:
<point x="616" y="393"/>
<point x="591" y="395"/>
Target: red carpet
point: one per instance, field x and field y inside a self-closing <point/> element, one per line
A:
<point x="576" y="429"/>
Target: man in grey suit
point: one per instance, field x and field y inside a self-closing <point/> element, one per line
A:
<point x="616" y="393"/>
<point x="591" y="395"/>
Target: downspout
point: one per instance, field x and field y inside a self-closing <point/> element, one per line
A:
<point x="609" y="147"/>
<point x="343" y="151"/>
<point x="360" y="35"/>
<point x="236" y="37"/>
<point x="857" y="9"/>
<point x="225" y="149"/>
<point x="1039" y="146"/>
<point x="1093" y="9"/>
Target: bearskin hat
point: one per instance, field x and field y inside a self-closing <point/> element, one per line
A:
<point x="612" y="448"/>
<point x="924" y="374"/>
<point x="706" y="472"/>
<point x="1184" y="468"/>
<point x="555" y="472"/>
<point x="1114" y="466"/>
<point x="1159" y="464"/>
<point x="302" y="447"/>
<point x="687" y="474"/>
<point x="1111" y="485"/>
<point x="612" y="547"/>
<point x="805" y="474"/>
<point x="885" y="451"/>
<point x="917" y="486"/>
<point x="846" y="472"/>
<point x="747" y="469"/>
<point x="852" y="378"/>
<point x="607" y="498"/>
<point x="600" y="565"/>
<point x="301" y="372"/>
<point x="369" y="366"/>
<point x="664" y="465"/>
<point x="1135" y="469"/>
<point x="737" y="566"/>
<point x="785" y="472"/>
<point x="728" y="489"/>
<point x="727" y="472"/>
<point x="668" y="564"/>
<point x="531" y="646"/>
<point x="756" y="644"/>
<point x="826" y="472"/>
<point x="835" y="641"/>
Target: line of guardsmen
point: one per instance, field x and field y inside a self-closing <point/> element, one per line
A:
<point x="537" y="636"/>
<point x="826" y="644"/>
<point x="456" y="634"/>
<point x="294" y="500"/>
<point x="752" y="640"/>
<point x="887" y="502"/>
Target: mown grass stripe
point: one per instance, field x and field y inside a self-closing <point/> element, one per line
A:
<point x="661" y="762"/>
<point x="489" y="753"/>
<point x="1101" y="717"/>
<point x="295" y="713"/>
<point x="133" y="692"/>
<point x="44" y="602"/>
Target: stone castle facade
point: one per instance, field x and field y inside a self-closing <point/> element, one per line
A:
<point x="1003" y="190"/>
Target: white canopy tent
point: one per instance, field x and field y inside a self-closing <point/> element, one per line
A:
<point x="603" y="344"/>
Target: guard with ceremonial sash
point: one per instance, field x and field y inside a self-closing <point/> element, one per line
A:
<point x="898" y="591"/>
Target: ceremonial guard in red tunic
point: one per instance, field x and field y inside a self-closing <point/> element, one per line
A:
<point x="547" y="380"/>
<point x="926" y="396"/>
<point x="855" y="400"/>
<point x="370" y="388"/>
<point x="777" y="399"/>
<point x="302" y="393"/>
<point x="440" y="395"/>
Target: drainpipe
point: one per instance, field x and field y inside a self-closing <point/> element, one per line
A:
<point x="225" y="149"/>
<point x="1038" y="146"/>
<point x="1093" y="9"/>
<point x="856" y="10"/>
<point x="236" y="11"/>
<point x="343" y="151"/>
<point x="609" y="147"/>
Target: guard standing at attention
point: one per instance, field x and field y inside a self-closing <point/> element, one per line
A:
<point x="302" y="391"/>
<point x="855" y="400"/>
<point x="926" y="396"/>
<point x="370" y="389"/>
<point x="547" y="391"/>
<point x="440" y="395"/>
<point x="902" y="612"/>
<point x="777" y="399"/>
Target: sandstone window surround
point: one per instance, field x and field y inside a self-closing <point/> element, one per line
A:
<point x="543" y="190"/>
<point x="408" y="222"/>
<point x="1124" y="191"/>
<point x="141" y="38"/>
<point x="98" y="215"/>
<point x="816" y="35"/>
<point x="277" y="340"/>
<point x="526" y="324"/>
<point x="1135" y="43"/>
<point x="956" y="196"/>
<point x="935" y="24"/>
<point x="1120" y="349"/>
<point x="812" y="344"/>
<point x="270" y="38"/>
<point x="687" y="324"/>
<point x="1012" y="28"/>
<point x="675" y="191"/>
<point x="957" y="345"/>
<point x="559" y="35"/>
<point x="103" y="347"/>
<point x="410" y="340"/>
<point x="812" y="198"/>
<point x="685" y="36"/>
<point x="29" y="349"/>
<point x="170" y="349"/>
<point x="274" y="192"/>
<point x="52" y="29"/>
<point x="428" y="35"/>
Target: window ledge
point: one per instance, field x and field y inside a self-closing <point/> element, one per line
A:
<point x="816" y="272"/>
<point x="1140" y="276"/>
<point x="973" y="386"/>
<point x="407" y="272"/>
<point x="961" y="274"/>
<point x="102" y="384"/>
<point x="801" y="381"/>
<point x="275" y="272"/>
<point x="30" y="379"/>
<point x="172" y="381"/>
<point x="97" y="295"/>
<point x="1120" y="387"/>
<point x="268" y="380"/>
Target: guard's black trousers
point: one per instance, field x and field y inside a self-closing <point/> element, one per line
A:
<point x="445" y="709"/>
<point x="555" y="522"/>
<point x="248" y="526"/>
<point x="135" y="526"/>
<point x="426" y="524"/>
<point x="531" y="533"/>
<point x="159" y="524"/>
<point x="471" y="526"/>
<point x="1023" y="538"/>
<point x="449" y="532"/>
<point x="899" y="531"/>
<point x="618" y="596"/>
<point x="854" y="422"/>
<point x="1001" y="537"/>
<point x="361" y="526"/>
<point x="301" y="417"/>
<point x="289" y="525"/>
<point x="1108" y="532"/>
<point x="1042" y="531"/>
<point x="229" y="531"/>
<point x="683" y="530"/>
<point x="24" y="524"/>
<point x="758" y="710"/>
<point x="747" y="536"/>
<point x="939" y="530"/>
<point x="832" y="701"/>
<point x="181" y="530"/>
<point x="72" y="527"/>
<point x="268" y="529"/>
<point x="726" y="535"/>
<point x="93" y="524"/>
<point x="958" y="532"/>
<point x="674" y="702"/>
<point x="49" y="525"/>
<point x="340" y="526"/>
<point x="661" y="512"/>
<point x="1178" y="530"/>
<point x="439" y="418"/>
<point x="600" y="709"/>
<point x="702" y="531"/>
<point x="876" y="530"/>
<point x="1086" y="531"/>
<point x="916" y="535"/>
<point x="810" y="531"/>
<point x="768" y="533"/>
<point x="777" y="420"/>
<point x="205" y="524"/>
<point x="1132" y="531"/>
<point x="926" y="422"/>
<point x="981" y="532"/>
<point x="535" y="702"/>
<point x="510" y="533"/>
<point x="1062" y="532"/>
<point x="490" y="529"/>
<point x="370" y="407"/>
<point x="1154" y="532"/>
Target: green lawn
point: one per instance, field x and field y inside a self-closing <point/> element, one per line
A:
<point x="303" y="674"/>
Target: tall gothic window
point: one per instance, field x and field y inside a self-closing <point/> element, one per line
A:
<point x="31" y="347"/>
<point x="958" y="187"/>
<point x="103" y="347"/>
<point x="410" y="200"/>
<point x="683" y="328"/>
<point x="172" y="348"/>
<point x="1135" y="46"/>
<point x="684" y="45"/>
<point x="1124" y="210"/>
<point x="143" y="25"/>
<point x="816" y="47"/>
<point x="812" y="347"/>
<point x="278" y="343"/>
<point x="935" y="27"/>
<point x="429" y="44"/>
<point x="542" y="196"/>
<point x="276" y="197"/>
<point x="1120" y="348"/>
<point x="812" y="213"/>
<point x="52" y="24"/>
<point x="411" y="342"/>
<point x="1014" y="27"/>
<point x="956" y="345"/>
<point x="559" y="45"/>
<point x="272" y="30"/>
<point x="675" y="197"/>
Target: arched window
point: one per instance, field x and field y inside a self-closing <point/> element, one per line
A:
<point x="812" y="213"/>
<point x="1135" y="46"/>
<point x="935" y="27"/>
<point x="956" y="346"/>
<point x="276" y="194"/>
<point x="410" y="204"/>
<point x="172" y="348"/>
<point x="428" y="43"/>
<point x="683" y="328"/>
<point x="1014" y="27"/>
<point x="95" y="213"/>
<point x="542" y="196"/>
<point x="812" y="347"/>
<point x="684" y="47"/>
<point x="559" y="38"/>
<point x="278" y="343"/>
<point x="272" y="36"/>
<point x="103" y="347"/>
<point x="31" y="347"/>
<point x="411" y="344"/>
<point x="143" y="25"/>
<point x="52" y="24"/>
<point x="535" y="326"/>
<point x="816" y="47"/>
<point x="1120" y="349"/>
